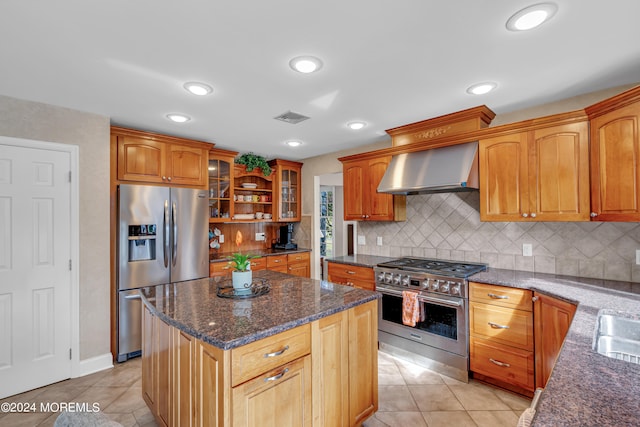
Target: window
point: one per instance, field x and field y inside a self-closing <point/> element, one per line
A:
<point x="326" y="221"/>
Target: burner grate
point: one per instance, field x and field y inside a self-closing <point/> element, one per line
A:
<point x="428" y="265"/>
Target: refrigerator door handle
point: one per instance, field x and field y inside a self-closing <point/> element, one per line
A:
<point x="174" y="223"/>
<point x="165" y="225"/>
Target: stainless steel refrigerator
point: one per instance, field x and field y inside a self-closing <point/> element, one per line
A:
<point x="162" y="238"/>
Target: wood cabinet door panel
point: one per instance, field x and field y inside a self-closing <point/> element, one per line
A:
<point x="279" y="398"/>
<point x="504" y="325"/>
<point x="186" y="165"/>
<point x="211" y="371"/>
<point x="552" y="319"/>
<point x="511" y="365"/>
<point x="363" y="362"/>
<point x="353" y="191"/>
<point x="615" y="156"/>
<point x="559" y="180"/>
<point x="140" y="159"/>
<point x="183" y="363"/>
<point x="504" y="178"/>
<point x="380" y="204"/>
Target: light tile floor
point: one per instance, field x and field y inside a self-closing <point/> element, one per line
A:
<point x="408" y="396"/>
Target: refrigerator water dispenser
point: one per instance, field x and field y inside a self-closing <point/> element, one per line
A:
<point x="142" y="242"/>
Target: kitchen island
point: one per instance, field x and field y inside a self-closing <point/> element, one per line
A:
<point x="303" y="354"/>
<point x="585" y="388"/>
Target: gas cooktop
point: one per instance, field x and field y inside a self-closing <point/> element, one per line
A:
<point x="435" y="266"/>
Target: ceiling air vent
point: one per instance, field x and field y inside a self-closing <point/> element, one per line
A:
<point x="291" y="117"/>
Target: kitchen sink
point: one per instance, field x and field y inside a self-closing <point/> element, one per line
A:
<point x="618" y="337"/>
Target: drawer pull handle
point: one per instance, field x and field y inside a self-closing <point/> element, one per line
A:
<point x="277" y="353"/>
<point x="350" y="272"/>
<point x="277" y="377"/>
<point x="496" y="326"/>
<point x="276" y="260"/>
<point x="504" y="365"/>
<point x="494" y="296"/>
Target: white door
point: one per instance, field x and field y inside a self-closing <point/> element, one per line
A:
<point x="35" y="276"/>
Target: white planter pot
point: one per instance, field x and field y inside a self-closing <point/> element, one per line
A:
<point x="241" y="279"/>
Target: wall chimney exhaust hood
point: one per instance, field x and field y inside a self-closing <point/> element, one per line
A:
<point x="437" y="170"/>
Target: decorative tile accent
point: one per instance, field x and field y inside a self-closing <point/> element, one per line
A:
<point x="447" y="225"/>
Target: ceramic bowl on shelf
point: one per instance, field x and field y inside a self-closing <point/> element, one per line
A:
<point x="267" y="216"/>
<point x="249" y="185"/>
<point x="243" y="216"/>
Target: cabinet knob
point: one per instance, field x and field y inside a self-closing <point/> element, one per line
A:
<point x="593" y="215"/>
<point x="164" y="177"/>
<point x="168" y="178"/>
<point x="533" y="215"/>
<point x="525" y="215"/>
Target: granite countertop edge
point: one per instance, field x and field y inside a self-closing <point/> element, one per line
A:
<point x="585" y="388"/>
<point x="361" y="260"/>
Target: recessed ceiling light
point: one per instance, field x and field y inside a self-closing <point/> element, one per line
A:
<point x="481" y="88"/>
<point x="305" y="64"/>
<point x="356" y="125"/>
<point x="178" y="118"/>
<point x="294" y="143"/>
<point x="531" y="17"/>
<point x="199" y="89"/>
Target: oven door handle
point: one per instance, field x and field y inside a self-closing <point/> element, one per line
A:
<point x="423" y="298"/>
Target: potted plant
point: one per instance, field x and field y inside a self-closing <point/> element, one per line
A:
<point x="241" y="276"/>
<point x="252" y="161"/>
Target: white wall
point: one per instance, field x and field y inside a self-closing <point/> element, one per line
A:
<point x="42" y="122"/>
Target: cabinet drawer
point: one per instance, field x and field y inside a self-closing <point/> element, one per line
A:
<point x="350" y="272"/>
<point x="258" y="264"/>
<point x="299" y="257"/>
<point x="222" y="268"/>
<point x="261" y="356"/>
<point x="276" y="261"/>
<point x="501" y="295"/>
<point x="508" y="364"/>
<point x="504" y="325"/>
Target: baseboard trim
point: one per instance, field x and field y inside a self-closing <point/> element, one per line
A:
<point x="93" y="365"/>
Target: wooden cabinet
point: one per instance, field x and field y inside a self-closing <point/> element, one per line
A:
<point x="351" y="275"/>
<point x="252" y="192"/>
<point x="536" y="171"/>
<point x="552" y="318"/>
<point x="277" y="263"/>
<point x="501" y="336"/>
<point x="160" y="159"/>
<point x="299" y="264"/>
<point x="267" y="382"/>
<point x="288" y="190"/>
<point x="258" y="264"/>
<point x="220" y="269"/>
<point x="362" y="202"/>
<point x="345" y="367"/>
<point x="615" y="155"/>
<point x="221" y="181"/>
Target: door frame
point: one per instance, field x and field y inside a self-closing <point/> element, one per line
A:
<point x="74" y="238"/>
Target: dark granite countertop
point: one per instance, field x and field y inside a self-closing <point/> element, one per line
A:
<point x="361" y="260"/>
<point x="194" y="307"/>
<point x="223" y="256"/>
<point x="585" y="388"/>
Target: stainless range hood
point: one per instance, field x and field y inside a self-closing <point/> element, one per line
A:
<point x="438" y="170"/>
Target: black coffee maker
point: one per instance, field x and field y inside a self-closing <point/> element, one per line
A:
<point x="285" y="238"/>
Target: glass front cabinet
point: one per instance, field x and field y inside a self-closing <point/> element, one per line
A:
<point x="220" y="185"/>
<point x="288" y="185"/>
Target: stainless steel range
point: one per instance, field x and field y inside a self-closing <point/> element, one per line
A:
<point x="440" y="338"/>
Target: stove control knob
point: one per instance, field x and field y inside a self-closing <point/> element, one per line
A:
<point x="406" y="280"/>
<point x="381" y="276"/>
<point x="455" y="289"/>
<point x="435" y="285"/>
<point x="444" y="288"/>
<point x="388" y="277"/>
<point x="396" y="279"/>
<point x="425" y="284"/>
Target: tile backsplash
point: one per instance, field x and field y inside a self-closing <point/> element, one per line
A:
<point x="447" y="226"/>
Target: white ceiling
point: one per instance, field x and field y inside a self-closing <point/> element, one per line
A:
<point x="387" y="62"/>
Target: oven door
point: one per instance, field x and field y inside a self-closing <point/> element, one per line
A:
<point x="445" y="325"/>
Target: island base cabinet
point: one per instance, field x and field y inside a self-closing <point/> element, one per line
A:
<point x="279" y="398"/>
<point x="327" y="375"/>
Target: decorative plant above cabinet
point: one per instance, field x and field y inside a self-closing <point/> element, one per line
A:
<point x="252" y="161"/>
